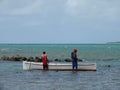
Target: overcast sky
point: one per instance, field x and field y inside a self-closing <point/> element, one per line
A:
<point x="59" y="21"/>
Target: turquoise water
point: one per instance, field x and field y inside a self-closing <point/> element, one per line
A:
<point x="107" y="76"/>
<point x="62" y="51"/>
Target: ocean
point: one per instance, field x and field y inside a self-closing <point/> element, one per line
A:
<point x="107" y="76"/>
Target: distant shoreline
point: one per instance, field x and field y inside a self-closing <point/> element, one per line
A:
<point x="72" y="43"/>
<point x="113" y="42"/>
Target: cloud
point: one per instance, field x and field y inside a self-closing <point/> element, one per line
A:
<point x="34" y="8"/>
<point x="60" y="11"/>
<point x="74" y="6"/>
<point x="93" y="8"/>
<point x="80" y="8"/>
<point x="21" y="7"/>
<point x="25" y="7"/>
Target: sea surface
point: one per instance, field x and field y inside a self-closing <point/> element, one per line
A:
<point x="107" y="76"/>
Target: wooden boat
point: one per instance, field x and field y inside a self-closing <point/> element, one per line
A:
<point x="59" y="66"/>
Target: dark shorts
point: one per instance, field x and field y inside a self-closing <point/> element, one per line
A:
<point x="45" y="67"/>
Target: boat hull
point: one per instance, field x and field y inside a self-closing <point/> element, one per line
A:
<point x="59" y="66"/>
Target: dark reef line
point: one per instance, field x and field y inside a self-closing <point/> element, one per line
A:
<point x="31" y="58"/>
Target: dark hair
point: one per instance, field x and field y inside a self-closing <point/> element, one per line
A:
<point x="44" y="52"/>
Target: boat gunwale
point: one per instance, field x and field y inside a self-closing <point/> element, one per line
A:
<point x="55" y="64"/>
<point x="61" y="64"/>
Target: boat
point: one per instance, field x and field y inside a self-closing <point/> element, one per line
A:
<point x="82" y="66"/>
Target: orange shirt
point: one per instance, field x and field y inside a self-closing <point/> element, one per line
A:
<point x="44" y="59"/>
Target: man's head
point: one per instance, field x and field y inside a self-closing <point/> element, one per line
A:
<point x="75" y="49"/>
<point x="44" y="52"/>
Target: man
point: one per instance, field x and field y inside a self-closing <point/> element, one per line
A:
<point x="74" y="59"/>
<point x="44" y="61"/>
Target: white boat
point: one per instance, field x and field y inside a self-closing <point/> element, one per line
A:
<point x="59" y="66"/>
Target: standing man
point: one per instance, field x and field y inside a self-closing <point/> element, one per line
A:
<point x="74" y="59"/>
<point x="44" y="61"/>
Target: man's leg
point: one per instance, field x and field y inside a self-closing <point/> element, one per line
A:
<point x="73" y="65"/>
<point x="46" y="67"/>
<point x="43" y="67"/>
<point x="76" y="65"/>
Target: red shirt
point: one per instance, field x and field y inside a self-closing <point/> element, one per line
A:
<point x="44" y="59"/>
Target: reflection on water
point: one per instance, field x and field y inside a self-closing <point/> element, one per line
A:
<point x="12" y="77"/>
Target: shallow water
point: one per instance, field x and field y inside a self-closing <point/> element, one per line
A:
<point x="107" y="76"/>
<point x="13" y="77"/>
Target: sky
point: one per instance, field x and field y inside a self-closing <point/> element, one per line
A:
<point x="59" y="21"/>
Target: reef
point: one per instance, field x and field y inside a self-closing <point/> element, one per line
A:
<point x="31" y="58"/>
